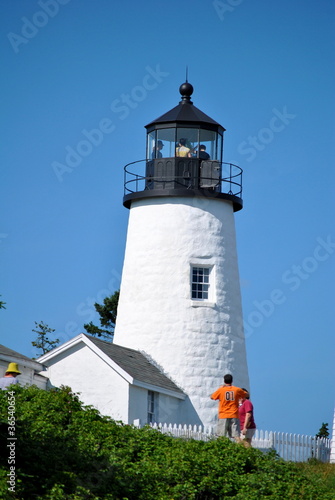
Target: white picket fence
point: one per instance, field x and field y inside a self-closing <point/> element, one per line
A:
<point x="293" y="447"/>
<point x="290" y="447"/>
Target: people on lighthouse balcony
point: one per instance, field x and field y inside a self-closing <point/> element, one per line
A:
<point x="203" y="155"/>
<point x="182" y="150"/>
<point x="156" y="150"/>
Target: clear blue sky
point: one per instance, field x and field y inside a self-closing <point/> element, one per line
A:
<point x="265" y="71"/>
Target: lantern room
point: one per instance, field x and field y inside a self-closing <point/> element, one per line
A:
<point x="185" y="128"/>
<point x="184" y="157"/>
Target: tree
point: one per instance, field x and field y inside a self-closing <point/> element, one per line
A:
<point x="42" y="342"/>
<point x="107" y="312"/>
<point x="323" y="431"/>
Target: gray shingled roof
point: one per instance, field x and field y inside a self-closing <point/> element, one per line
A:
<point x="14" y="354"/>
<point x="135" y="364"/>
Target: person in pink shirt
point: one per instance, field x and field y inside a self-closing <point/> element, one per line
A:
<point x="247" y="422"/>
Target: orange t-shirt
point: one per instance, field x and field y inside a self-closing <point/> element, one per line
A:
<point x="229" y="397"/>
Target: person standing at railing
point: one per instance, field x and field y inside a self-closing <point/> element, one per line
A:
<point x="229" y="397"/>
<point x="203" y="155"/>
<point x="156" y="150"/>
<point x="247" y="422"/>
<point x="182" y="150"/>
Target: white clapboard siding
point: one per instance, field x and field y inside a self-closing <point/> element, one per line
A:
<point x="290" y="447"/>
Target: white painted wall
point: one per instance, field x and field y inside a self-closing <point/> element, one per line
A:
<point x="98" y="384"/>
<point x="138" y="404"/>
<point x="195" y="344"/>
<point x="167" y="409"/>
<point x="170" y="409"/>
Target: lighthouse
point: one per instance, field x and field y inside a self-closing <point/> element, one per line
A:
<point x="180" y="299"/>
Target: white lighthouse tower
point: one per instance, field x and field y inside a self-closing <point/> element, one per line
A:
<point x="180" y="300"/>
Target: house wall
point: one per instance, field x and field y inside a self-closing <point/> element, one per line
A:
<point x="88" y="374"/>
<point x="28" y="375"/>
<point x="138" y="405"/>
<point x="167" y="409"/>
<point x="170" y="409"/>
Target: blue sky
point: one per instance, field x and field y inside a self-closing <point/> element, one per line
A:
<point x="265" y="71"/>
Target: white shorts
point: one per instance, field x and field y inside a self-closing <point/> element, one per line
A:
<point x="229" y="427"/>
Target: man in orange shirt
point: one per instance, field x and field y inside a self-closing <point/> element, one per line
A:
<point x="229" y="397"/>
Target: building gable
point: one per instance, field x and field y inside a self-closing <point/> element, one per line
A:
<point x="130" y="364"/>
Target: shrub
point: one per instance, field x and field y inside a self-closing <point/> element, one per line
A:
<point x="66" y="450"/>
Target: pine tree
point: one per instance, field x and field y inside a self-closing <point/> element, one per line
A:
<point x="107" y="312"/>
<point x="42" y="342"/>
<point x="323" y="431"/>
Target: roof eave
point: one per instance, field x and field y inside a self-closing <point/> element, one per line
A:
<point x="160" y="389"/>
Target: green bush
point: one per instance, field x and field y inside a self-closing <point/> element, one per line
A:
<point x="65" y="450"/>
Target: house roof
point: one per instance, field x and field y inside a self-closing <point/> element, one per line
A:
<point x="13" y="356"/>
<point x="129" y="363"/>
<point x="135" y="364"/>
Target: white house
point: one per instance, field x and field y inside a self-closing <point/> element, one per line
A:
<point x="29" y="368"/>
<point x="120" y="382"/>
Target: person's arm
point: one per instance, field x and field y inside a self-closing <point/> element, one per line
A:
<point x="215" y="395"/>
<point x="246" y="422"/>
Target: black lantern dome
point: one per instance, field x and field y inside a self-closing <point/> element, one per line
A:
<point x="184" y="158"/>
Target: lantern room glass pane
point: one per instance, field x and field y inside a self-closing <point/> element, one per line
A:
<point x="161" y="143"/>
<point x="196" y="143"/>
<point x="167" y="137"/>
<point x="151" y="140"/>
<point x="220" y="147"/>
<point x="210" y="143"/>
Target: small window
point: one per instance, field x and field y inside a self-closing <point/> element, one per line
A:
<point x="152" y="407"/>
<point x="200" y="283"/>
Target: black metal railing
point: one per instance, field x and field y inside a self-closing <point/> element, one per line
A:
<point x="183" y="173"/>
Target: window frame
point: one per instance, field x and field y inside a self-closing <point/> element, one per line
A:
<point x="211" y="300"/>
<point x="200" y="288"/>
<point x="152" y="407"/>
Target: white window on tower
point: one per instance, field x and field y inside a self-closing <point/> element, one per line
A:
<point x="200" y="283"/>
<point x="152" y="407"/>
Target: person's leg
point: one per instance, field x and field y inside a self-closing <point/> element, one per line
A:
<point x="248" y="437"/>
<point x="228" y="430"/>
<point x="244" y="440"/>
<point x="220" y="429"/>
<point x="224" y="427"/>
<point x="235" y="428"/>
